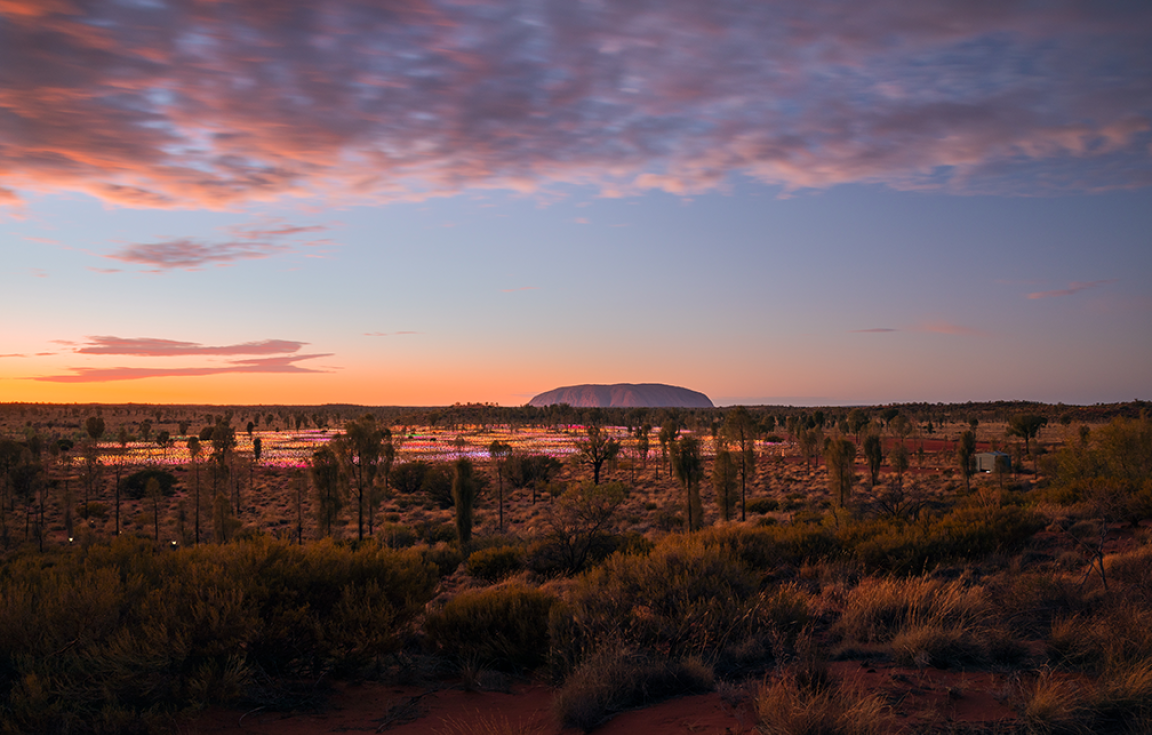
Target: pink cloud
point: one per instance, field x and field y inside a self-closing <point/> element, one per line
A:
<point x="273" y="229"/>
<point x="1073" y="288"/>
<point x="284" y="364"/>
<point x="187" y="106"/>
<point x="942" y="327"/>
<point x="152" y="347"/>
<point x="190" y="254"/>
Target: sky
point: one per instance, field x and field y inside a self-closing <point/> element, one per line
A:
<point x="423" y="202"/>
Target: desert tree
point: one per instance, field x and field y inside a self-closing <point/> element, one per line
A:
<point x="724" y="476"/>
<point x="59" y="450"/>
<point x="257" y="452"/>
<point x="839" y="459"/>
<point x="326" y="478"/>
<point x="965" y="458"/>
<point x="499" y="452"/>
<point x="887" y="415"/>
<point x="223" y="439"/>
<point x="668" y="432"/>
<point x="580" y="520"/>
<point x="299" y="485"/>
<point x="596" y="450"/>
<point x="121" y="460"/>
<point x="534" y="471"/>
<point x="688" y="467"/>
<point x="10" y="454"/>
<point x="643" y="443"/>
<point x="874" y="456"/>
<point x="767" y="424"/>
<point x="898" y="460"/>
<point x="895" y="502"/>
<point x="364" y="441"/>
<point x="901" y="426"/>
<point x="224" y="521"/>
<point x="466" y="487"/>
<point x="858" y="418"/>
<point x="809" y="440"/>
<point x="740" y="429"/>
<point x="94" y="427"/>
<point x="194" y="450"/>
<point x="153" y="492"/>
<point x="1026" y="426"/>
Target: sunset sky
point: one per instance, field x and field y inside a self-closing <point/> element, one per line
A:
<point x="425" y="202"/>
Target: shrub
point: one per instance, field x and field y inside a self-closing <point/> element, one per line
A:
<point x="500" y="627"/>
<point x="115" y="631"/>
<point x="495" y="563"/>
<point x="397" y="536"/>
<point x="768" y="547"/>
<point x="92" y="510"/>
<point x="763" y="505"/>
<point x="445" y="557"/>
<point x="136" y="485"/>
<point x="684" y="598"/>
<point x="408" y="477"/>
<point x="616" y="679"/>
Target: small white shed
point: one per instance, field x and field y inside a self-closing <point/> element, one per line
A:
<point x="986" y="461"/>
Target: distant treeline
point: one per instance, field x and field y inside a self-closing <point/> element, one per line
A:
<point x="19" y="416"/>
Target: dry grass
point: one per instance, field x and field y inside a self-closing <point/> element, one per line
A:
<point x="491" y="725"/>
<point x="1054" y="706"/>
<point x="879" y="609"/>
<point x="794" y="704"/>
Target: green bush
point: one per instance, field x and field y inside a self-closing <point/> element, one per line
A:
<point x="500" y="627"/>
<point x="495" y="563"/>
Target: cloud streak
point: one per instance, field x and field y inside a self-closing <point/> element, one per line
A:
<point x="153" y="347"/>
<point x="283" y="364"/>
<point x="191" y="104"/>
<point x="1073" y="288"/>
<point x="251" y="241"/>
<point x="189" y="254"/>
<point x="930" y="327"/>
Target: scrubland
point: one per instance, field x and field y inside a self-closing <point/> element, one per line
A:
<point x="932" y="600"/>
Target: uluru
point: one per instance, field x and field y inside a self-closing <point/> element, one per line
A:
<point x="624" y="395"/>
